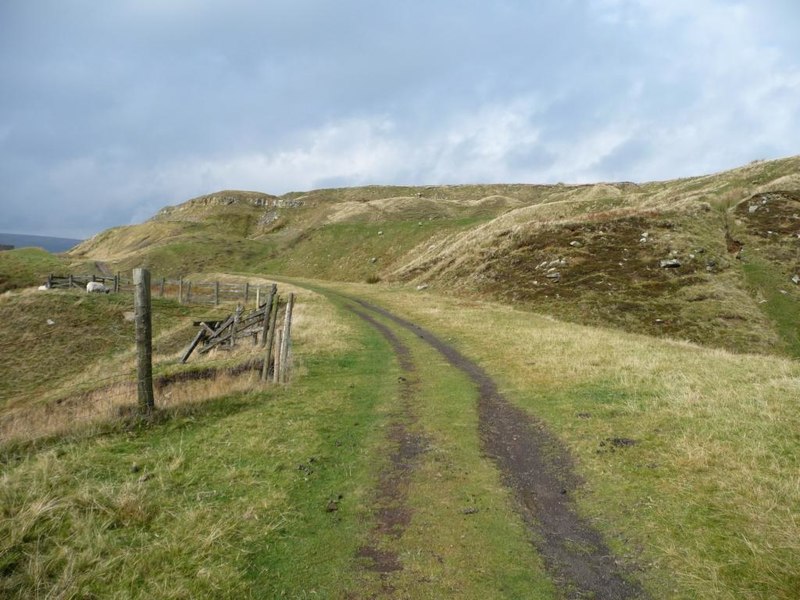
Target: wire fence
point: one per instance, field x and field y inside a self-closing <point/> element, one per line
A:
<point x="185" y="291"/>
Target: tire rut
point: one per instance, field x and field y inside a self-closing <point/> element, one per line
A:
<point x="539" y="470"/>
<point x="392" y="513"/>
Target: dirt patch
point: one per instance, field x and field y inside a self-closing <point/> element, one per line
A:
<point x="536" y="466"/>
<point x="392" y="513"/>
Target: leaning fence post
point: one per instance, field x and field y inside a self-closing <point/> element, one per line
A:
<point x="144" y="341"/>
<point x="285" y="339"/>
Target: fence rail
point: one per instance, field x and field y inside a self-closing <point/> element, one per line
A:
<point x="186" y="291"/>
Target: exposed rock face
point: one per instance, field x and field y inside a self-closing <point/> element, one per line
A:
<point x="229" y="198"/>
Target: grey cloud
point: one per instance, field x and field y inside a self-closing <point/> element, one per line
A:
<point x="110" y="110"/>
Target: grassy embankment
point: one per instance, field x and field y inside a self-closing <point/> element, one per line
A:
<point x="25" y="267"/>
<point x="704" y="494"/>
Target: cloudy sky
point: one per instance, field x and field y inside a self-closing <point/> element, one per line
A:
<point x="110" y="110"/>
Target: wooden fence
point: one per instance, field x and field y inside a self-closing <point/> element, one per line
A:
<point x="259" y="325"/>
<point x="186" y="291"/>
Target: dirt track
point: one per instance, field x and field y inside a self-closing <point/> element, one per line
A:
<point x="536" y="466"/>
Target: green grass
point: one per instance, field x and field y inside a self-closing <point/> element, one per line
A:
<point x="26" y="267"/>
<point x="218" y="505"/>
<point x="344" y="251"/>
<point x="39" y="356"/>
<point x="781" y="307"/>
<point x="703" y="501"/>
<point x="482" y="554"/>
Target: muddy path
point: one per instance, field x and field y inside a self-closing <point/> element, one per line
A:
<point x="392" y="513"/>
<point x="539" y="470"/>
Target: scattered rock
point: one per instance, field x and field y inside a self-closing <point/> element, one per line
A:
<point x="129" y="316"/>
<point x="333" y="504"/>
<point x="145" y="477"/>
<point x="470" y="511"/>
<point x="575" y="244"/>
<point x="135" y="468"/>
<point x="380" y="233"/>
<point x="556" y="276"/>
<point x="796" y="279"/>
<point x="51" y="322"/>
<point x="422" y="286"/>
<point x="584" y="415"/>
<point x="670" y="263"/>
<point x="612" y="443"/>
<point x="373" y="260"/>
<point x="783" y="292"/>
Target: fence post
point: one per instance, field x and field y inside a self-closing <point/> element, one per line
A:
<point x="216" y="293"/>
<point x="163" y="285"/>
<point x="276" y="372"/>
<point x="69" y="281"/>
<point x="144" y="341"/>
<point x="236" y="315"/>
<point x="246" y="292"/>
<point x="273" y="321"/>
<point x="180" y="290"/>
<point x="285" y="339"/>
<point x="258" y="297"/>
<point x="188" y="292"/>
<point x="267" y="313"/>
<point x="49" y="281"/>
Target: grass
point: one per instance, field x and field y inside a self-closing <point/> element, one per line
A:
<point x="370" y="249"/>
<point x="148" y="512"/>
<point x="778" y="299"/>
<point x="464" y="539"/>
<point x="26" y="267"/>
<point x="705" y="497"/>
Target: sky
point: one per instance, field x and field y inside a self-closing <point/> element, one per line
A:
<point x="111" y="110"/>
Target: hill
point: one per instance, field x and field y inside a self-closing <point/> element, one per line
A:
<point x="712" y="259"/>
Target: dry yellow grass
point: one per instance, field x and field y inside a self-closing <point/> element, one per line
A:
<point x="104" y="390"/>
<point x="710" y="491"/>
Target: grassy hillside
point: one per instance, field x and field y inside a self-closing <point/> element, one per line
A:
<point x="232" y="497"/>
<point x="586" y="253"/>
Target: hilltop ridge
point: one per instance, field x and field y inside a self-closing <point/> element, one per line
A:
<point x="712" y="259"/>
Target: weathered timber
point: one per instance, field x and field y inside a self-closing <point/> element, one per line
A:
<point x="200" y="335"/>
<point x="285" y="339"/>
<point x="267" y="313"/>
<point x="273" y="321"/>
<point x="276" y="370"/>
<point x="144" y="339"/>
